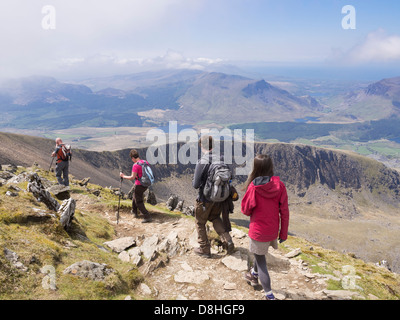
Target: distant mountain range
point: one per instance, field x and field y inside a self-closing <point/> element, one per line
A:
<point x="190" y="97"/>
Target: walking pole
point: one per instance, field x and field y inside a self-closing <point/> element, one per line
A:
<point x="119" y="198"/>
<point x="51" y="163"/>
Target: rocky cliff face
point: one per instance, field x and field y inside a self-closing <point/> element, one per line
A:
<point x="299" y="166"/>
<point x="302" y="166"/>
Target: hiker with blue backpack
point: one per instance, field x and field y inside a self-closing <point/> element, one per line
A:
<point x="212" y="179"/>
<point x="143" y="177"/>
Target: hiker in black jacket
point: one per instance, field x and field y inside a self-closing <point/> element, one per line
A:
<point x="204" y="209"/>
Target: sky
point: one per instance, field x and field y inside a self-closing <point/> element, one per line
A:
<point x="82" y="39"/>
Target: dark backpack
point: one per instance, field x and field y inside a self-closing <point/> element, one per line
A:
<point x="216" y="187"/>
<point x="147" y="178"/>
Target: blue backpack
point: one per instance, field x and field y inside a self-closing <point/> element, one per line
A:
<point x="147" y="178"/>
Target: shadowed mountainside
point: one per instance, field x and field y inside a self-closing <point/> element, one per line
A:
<point x="299" y="166"/>
<point x="340" y="200"/>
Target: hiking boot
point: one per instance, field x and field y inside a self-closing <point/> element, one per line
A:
<point x="250" y="278"/>
<point x="146" y="219"/>
<point x="230" y="247"/>
<point x="203" y="252"/>
<point x="135" y="214"/>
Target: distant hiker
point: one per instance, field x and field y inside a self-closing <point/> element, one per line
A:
<point x="137" y="196"/>
<point x="63" y="154"/>
<point x="266" y="202"/>
<point x="209" y="209"/>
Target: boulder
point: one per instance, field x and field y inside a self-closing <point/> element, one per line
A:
<point x="18" y="179"/>
<point x="95" y="192"/>
<point x="9" y="167"/>
<point x="237" y="261"/>
<point x="293" y="253"/>
<point x="179" y="206"/>
<point x="39" y="215"/>
<point x="66" y="212"/>
<point x="133" y="255"/>
<point x="172" y="202"/>
<point x="154" y="252"/>
<point x="40" y="193"/>
<point x="149" y="247"/>
<point x="60" y="191"/>
<point x="189" y="211"/>
<point x="11" y="194"/>
<point x="195" y="277"/>
<point x="83" y="182"/>
<point x="340" y="294"/>
<point x="14" y="259"/>
<point x="238" y="234"/>
<point x="121" y="244"/>
<point x="88" y="269"/>
<point x="6" y="175"/>
<point x="151" y="198"/>
<point x="277" y="262"/>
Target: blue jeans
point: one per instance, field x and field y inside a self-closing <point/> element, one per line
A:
<point x="62" y="169"/>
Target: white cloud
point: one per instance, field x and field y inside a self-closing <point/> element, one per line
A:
<point x="378" y="47"/>
<point x="100" y="32"/>
<point x="109" y="64"/>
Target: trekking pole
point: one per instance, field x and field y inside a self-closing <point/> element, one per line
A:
<point x="51" y="163"/>
<point x="119" y="198"/>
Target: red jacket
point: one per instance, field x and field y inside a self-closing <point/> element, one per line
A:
<point x="266" y="202"/>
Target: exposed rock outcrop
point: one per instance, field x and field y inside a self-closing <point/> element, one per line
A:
<point x="41" y="194"/>
<point x="88" y="269"/>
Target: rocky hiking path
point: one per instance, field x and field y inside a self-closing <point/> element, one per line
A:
<point x="163" y="251"/>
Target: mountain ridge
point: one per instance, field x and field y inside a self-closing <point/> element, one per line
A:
<point x="135" y="100"/>
<point x="329" y="191"/>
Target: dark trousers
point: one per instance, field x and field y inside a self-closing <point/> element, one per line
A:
<point x="137" y="200"/>
<point x="209" y="211"/>
<point x="62" y="169"/>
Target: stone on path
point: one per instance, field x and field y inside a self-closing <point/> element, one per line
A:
<point x="121" y="244"/>
<point x="195" y="277"/>
<point x="237" y="261"/>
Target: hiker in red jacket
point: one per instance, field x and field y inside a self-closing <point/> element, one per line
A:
<point x="62" y="165"/>
<point x="266" y="202"/>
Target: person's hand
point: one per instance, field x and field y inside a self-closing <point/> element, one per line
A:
<point x="121" y="174"/>
<point x="281" y="240"/>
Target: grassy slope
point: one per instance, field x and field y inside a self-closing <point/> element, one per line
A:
<point x="49" y="243"/>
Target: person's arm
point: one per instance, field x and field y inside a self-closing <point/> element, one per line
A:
<point x="131" y="177"/>
<point x="248" y="202"/>
<point x="198" y="174"/>
<point x="55" y="152"/>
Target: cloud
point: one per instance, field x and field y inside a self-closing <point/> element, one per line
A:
<point x="109" y="64"/>
<point x="94" y="31"/>
<point x="378" y="47"/>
